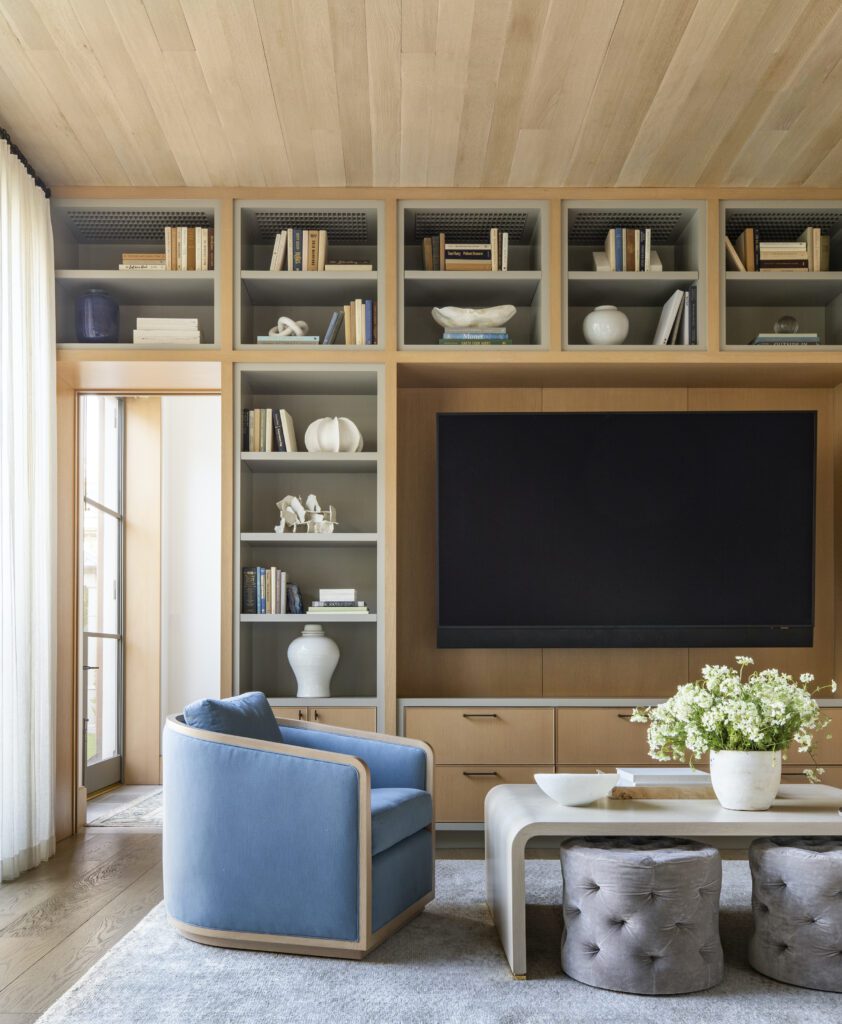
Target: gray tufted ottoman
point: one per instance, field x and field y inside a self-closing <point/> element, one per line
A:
<point x="641" y="915"/>
<point x="797" y="905"/>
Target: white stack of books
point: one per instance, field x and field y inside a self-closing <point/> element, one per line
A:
<point x="167" y="330"/>
<point x="338" y="600"/>
<point x="674" y="775"/>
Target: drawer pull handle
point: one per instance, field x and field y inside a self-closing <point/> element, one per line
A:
<point x="469" y="774"/>
<point x="479" y="714"/>
<point x="627" y="717"/>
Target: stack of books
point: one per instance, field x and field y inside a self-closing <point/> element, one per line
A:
<point x="785" y="340"/>
<point x="264" y="591"/>
<point x="476" y="336"/>
<point x="268" y="430"/>
<point x="439" y="254"/>
<point x="810" y="252"/>
<point x="305" y="249"/>
<point x="667" y="776"/>
<point x="188" y="248"/>
<point x="338" y="601"/>
<point x="143" y="261"/>
<point x="355" y="324"/>
<point x="167" y="330"/>
<point x="628" y="249"/>
<point x="677" y="323"/>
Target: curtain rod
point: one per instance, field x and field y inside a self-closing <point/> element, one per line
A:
<point x="30" y="170"/>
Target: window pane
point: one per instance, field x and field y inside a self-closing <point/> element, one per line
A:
<point x="100" y="571"/>
<point x="101" y="691"/>
<point x="101" y="449"/>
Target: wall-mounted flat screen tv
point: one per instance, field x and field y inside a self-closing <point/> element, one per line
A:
<point x="690" y="529"/>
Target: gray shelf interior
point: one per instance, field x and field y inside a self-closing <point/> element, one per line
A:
<point x="676" y="231"/>
<point x="354" y="495"/>
<point x="751" y="303"/>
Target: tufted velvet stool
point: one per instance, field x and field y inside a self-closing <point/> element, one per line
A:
<point x="797" y="908"/>
<point x="641" y="915"/>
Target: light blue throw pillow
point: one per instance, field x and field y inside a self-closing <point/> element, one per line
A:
<point x="249" y="715"/>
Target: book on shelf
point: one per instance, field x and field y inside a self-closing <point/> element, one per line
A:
<point x="666" y="776"/>
<point x="628" y="249"/>
<point x="351" y="266"/>
<point x="295" y="604"/>
<point x="338" y="594"/>
<point x="785" y="340"/>
<point x="188" y="248"/>
<point x="810" y="252"/>
<point x="167" y="330"/>
<point x="167" y="337"/>
<point x="732" y="257"/>
<point x="290" y="339"/>
<point x="359" y="318"/>
<point x="264" y="591"/>
<point x="142" y="261"/>
<point x="306" y="250"/>
<point x="337" y="604"/>
<point x="315" y="609"/>
<point x="156" y="323"/>
<point x="602" y="264"/>
<point x="268" y="430"/>
<point x="669" y="328"/>
<point x="337" y="318"/>
<point x="439" y="254"/>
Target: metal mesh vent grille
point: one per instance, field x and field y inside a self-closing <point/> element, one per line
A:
<point x="471" y="225"/>
<point x="344" y="227"/>
<point x="589" y="227"/>
<point x="781" y="225"/>
<point x="122" y="226"/>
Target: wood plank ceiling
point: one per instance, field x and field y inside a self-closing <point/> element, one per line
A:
<point x="425" y="92"/>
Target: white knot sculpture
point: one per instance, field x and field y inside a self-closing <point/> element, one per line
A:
<point x="333" y="434"/>
<point x="457" y="316"/>
<point x="286" y="327"/>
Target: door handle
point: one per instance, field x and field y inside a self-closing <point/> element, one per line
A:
<point x="301" y="715"/>
<point x="469" y="774"/>
<point x="90" y="668"/>
<point x="479" y="714"/>
<point x="315" y="716"/>
<point x="627" y="717"/>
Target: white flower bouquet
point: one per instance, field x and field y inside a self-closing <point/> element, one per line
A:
<point x="724" y="711"/>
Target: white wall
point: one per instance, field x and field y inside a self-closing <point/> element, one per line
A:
<point x="190" y="551"/>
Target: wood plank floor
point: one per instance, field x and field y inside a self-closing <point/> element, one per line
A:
<point x="58" y="920"/>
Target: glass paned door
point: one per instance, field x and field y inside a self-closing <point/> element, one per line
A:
<point x="101" y="589"/>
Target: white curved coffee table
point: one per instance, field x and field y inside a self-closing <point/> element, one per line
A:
<point x="516" y="814"/>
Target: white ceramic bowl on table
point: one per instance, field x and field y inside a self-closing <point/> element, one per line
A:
<point x="576" y="790"/>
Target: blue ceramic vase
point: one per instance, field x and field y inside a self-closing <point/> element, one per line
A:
<point x="97" y="317"/>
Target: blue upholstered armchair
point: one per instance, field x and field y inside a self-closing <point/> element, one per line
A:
<point x="293" y="836"/>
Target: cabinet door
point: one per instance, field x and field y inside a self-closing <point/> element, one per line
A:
<point x="297" y="712"/>
<point x="364" y="719"/>
<point x="461" y="789"/>
<point x="484" y="735"/>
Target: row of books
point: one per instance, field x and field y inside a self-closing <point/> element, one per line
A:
<point x="354" y="324"/>
<point x="167" y="330"/>
<point x="479" y="336"/>
<point x="184" y="249"/>
<point x="305" y="249"/>
<point x="677" y="323"/>
<point x="811" y="252"/>
<point x="439" y="254"/>
<point x="268" y="430"/>
<point x="628" y="249"/>
<point x="266" y="591"/>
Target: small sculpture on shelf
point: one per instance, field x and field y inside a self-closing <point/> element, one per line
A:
<point x="286" y="327"/>
<point x="605" y="325"/>
<point x="333" y="434"/>
<point x="465" y="317"/>
<point x="305" y="517"/>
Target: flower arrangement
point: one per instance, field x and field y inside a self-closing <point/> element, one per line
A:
<point x="724" y="711"/>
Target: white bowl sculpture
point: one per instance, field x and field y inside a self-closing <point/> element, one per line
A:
<point x="576" y="790"/>
<point x="456" y="316"/>
<point x="333" y="434"/>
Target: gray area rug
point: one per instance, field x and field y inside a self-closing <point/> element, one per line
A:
<point x="145" y="812"/>
<point x="446" y="966"/>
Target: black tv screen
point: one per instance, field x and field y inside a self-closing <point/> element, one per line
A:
<point x="626" y="529"/>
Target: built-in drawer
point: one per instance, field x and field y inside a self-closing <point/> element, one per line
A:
<point x="794" y="773"/>
<point x="484" y="735"/>
<point x="597" y="736"/>
<point x="461" y="789"/>
<point x="299" y="713"/>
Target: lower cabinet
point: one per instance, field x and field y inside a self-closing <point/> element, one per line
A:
<point x="364" y="719"/>
<point x="461" y="789"/>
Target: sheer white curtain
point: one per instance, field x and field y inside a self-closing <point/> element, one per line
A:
<point x="27" y="521"/>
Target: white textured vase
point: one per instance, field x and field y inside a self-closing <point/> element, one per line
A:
<point x="606" y="325"/>
<point x="745" y="780"/>
<point x="313" y="657"/>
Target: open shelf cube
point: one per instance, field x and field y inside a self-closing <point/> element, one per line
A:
<point x="471" y="221"/>
<point x="678" y="231"/>
<point x="752" y="301"/>
<point x="90" y="237"/>
<point x="353" y="556"/>
<point x="355" y="232"/>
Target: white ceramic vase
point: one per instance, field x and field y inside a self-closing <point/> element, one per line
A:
<point x="745" y="780"/>
<point x="313" y="657"/>
<point x="606" y="325"/>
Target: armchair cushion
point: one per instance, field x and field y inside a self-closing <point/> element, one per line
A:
<point x="397" y="814"/>
<point x="249" y="716"/>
